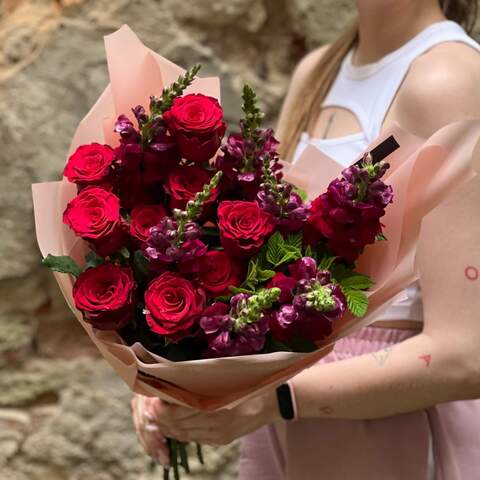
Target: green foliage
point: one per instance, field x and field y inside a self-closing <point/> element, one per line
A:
<point x="301" y="345"/>
<point x="256" y="275"/>
<point x="326" y="262"/>
<point x="236" y="290"/>
<point x="357" y="282"/>
<point x="310" y="252"/>
<point x="357" y="301"/>
<point x="62" y="264"/>
<point x="280" y="250"/>
<point x="352" y="284"/>
<point x="93" y="259"/>
<point x="301" y="193"/>
<point x="140" y="265"/>
<point x="273" y="345"/>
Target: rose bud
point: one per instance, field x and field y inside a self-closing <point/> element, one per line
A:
<point x="184" y="182"/>
<point x="143" y="218"/>
<point x="196" y="123"/>
<point x="244" y="226"/>
<point x="173" y="305"/>
<point x="218" y="271"/>
<point x="106" y="296"/>
<point x="90" y="165"/>
<point x="94" y="215"/>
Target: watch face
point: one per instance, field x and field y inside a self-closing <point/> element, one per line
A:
<point x="285" y="403"/>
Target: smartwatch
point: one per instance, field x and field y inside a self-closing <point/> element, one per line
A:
<point x="286" y="402"/>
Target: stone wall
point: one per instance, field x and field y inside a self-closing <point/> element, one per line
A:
<point x="63" y="415"/>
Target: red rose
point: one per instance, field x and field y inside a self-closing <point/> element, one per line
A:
<point x="94" y="215"/>
<point x="196" y="123"/>
<point x="184" y="182"/>
<point x="143" y="218"/>
<point x="173" y="305"/>
<point x="106" y="296"/>
<point x="243" y="227"/>
<point x="90" y="164"/>
<point x="217" y="271"/>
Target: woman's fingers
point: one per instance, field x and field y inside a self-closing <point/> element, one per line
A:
<point x="148" y="431"/>
<point x="169" y="415"/>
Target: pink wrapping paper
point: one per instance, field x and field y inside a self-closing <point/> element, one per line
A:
<point x="423" y="173"/>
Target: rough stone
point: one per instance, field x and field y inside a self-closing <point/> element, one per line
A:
<point x="64" y="415"/>
<point x="317" y="21"/>
<point x="247" y="14"/>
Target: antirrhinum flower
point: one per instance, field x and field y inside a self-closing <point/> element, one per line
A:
<point x="241" y="327"/>
<point x="316" y="303"/>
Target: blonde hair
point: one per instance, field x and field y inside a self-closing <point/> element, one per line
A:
<point x="305" y="108"/>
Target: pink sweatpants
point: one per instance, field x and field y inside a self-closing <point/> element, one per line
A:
<point x="439" y="443"/>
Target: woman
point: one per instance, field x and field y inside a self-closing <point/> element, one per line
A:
<point x="394" y="407"/>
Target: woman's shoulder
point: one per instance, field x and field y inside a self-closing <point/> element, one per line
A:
<point x="305" y="66"/>
<point x="441" y="87"/>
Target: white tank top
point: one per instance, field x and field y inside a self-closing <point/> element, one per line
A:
<point x="368" y="91"/>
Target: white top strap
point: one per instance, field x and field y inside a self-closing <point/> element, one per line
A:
<point x="369" y="90"/>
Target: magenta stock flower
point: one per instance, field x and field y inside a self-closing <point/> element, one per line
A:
<point x="347" y="216"/>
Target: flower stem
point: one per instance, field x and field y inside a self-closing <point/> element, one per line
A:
<point x="200" y="454"/>
<point x="174" y="458"/>
<point x="182" y="447"/>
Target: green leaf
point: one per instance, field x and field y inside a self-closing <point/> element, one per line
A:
<point x="251" y="278"/>
<point x="211" y="231"/>
<point x="62" y="264"/>
<point x="274" y="345"/>
<point x="341" y="271"/>
<point x="265" y="275"/>
<point x="357" y="282"/>
<point x="140" y="265"/>
<point x="301" y="193"/>
<point x="93" y="259"/>
<point x="310" y="252"/>
<point x="295" y="240"/>
<point x="236" y="290"/>
<point x="357" y="301"/>
<point x="223" y="298"/>
<point x="326" y="263"/>
<point x="281" y="251"/>
<point x="256" y="275"/>
<point x="300" y="345"/>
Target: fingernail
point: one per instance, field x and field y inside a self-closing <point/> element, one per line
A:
<point x="148" y="416"/>
<point x="151" y="428"/>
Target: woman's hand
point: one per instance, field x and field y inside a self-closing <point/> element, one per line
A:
<point x="147" y="429"/>
<point x="216" y="428"/>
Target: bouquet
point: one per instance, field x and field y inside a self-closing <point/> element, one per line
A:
<point x="199" y="271"/>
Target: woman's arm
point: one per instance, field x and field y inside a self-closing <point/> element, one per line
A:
<point x="443" y="362"/>
<point x="440" y="364"/>
<point x="411" y="375"/>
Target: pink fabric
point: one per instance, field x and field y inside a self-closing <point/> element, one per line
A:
<point x="392" y="448"/>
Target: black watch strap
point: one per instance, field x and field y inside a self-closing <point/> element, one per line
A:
<point x="285" y="402"/>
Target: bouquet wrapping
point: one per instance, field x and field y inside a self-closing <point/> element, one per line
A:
<point x="422" y="174"/>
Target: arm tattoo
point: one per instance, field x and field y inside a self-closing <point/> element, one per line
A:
<point x="326" y="410"/>
<point x="426" y="358"/>
<point x="381" y="356"/>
